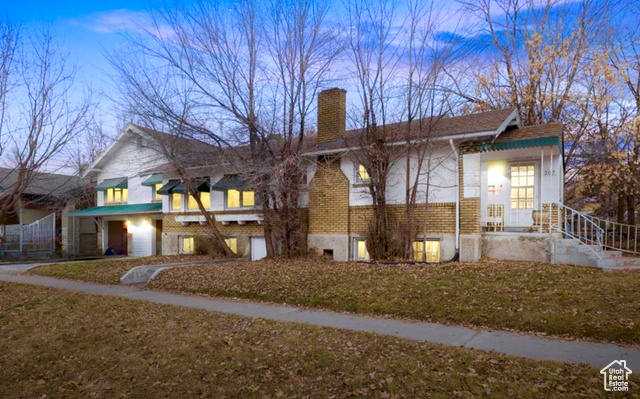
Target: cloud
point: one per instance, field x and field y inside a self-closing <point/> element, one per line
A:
<point x="114" y="21"/>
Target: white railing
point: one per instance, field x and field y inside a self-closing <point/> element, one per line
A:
<point x="619" y="236"/>
<point x="39" y="235"/>
<point x="579" y="226"/>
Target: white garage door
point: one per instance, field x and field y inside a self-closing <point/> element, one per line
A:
<point x="258" y="248"/>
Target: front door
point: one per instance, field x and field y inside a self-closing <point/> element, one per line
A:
<point x="158" y="237"/>
<point x="117" y="239"/>
<point x="522" y="193"/>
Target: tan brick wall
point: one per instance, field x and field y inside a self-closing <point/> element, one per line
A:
<point x="469" y="207"/>
<point x="332" y="105"/>
<point x="329" y="199"/>
<point x="439" y="218"/>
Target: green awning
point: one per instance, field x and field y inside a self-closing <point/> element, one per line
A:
<point x="115" y="210"/>
<point x="200" y="185"/>
<point x="168" y="188"/>
<point x="120" y="182"/>
<point x="153" y="180"/>
<point x="231" y="182"/>
<point x="524" y="143"/>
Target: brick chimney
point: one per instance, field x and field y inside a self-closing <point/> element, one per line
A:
<point x="332" y="115"/>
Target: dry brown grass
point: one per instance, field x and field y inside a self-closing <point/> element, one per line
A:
<point x="108" y="271"/>
<point x="564" y="300"/>
<point x="66" y="345"/>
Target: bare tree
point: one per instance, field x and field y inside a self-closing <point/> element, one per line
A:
<point x="238" y="76"/>
<point x="41" y="110"/>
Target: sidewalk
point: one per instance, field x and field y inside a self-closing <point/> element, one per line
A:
<point x="596" y="354"/>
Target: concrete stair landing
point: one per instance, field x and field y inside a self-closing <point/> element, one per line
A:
<point x="568" y="250"/>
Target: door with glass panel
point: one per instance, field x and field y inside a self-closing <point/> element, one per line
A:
<point x="522" y="194"/>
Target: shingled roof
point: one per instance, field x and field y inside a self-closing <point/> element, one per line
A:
<point x="42" y="184"/>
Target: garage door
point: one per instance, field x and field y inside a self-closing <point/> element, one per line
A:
<point x="258" y="248"/>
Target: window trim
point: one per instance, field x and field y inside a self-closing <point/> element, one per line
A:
<point x="424" y="242"/>
<point x="155" y="197"/>
<point x="122" y="195"/>
<point x="355" y="250"/>
<point x="181" y="244"/>
<point x="534" y="187"/>
<point x="241" y="199"/>
<point x="171" y="202"/>
<point x="358" y="180"/>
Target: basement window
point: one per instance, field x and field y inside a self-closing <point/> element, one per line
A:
<point x="232" y="243"/>
<point x="360" y="249"/>
<point x="186" y="245"/>
<point x="426" y="251"/>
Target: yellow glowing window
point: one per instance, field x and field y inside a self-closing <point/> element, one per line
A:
<point x="522" y="186"/>
<point x="240" y="199"/>
<point x="361" y="250"/>
<point x="117" y="195"/>
<point x="363" y="175"/>
<point x="186" y="245"/>
<point x="155" y="188"/>
<point x="192" y="204"/>
<point x="426" y="251"/>
<point x="232" y="243"/>
<point x="176" y="201"/>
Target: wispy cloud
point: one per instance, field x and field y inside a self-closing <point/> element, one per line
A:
<point x="114" y="21"/>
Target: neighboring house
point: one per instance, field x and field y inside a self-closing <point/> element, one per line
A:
<point x="143" y="208"/>
<point x="46" y="195"/>
<point x="492" y="189"/>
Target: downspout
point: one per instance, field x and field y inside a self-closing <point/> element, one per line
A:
<point x="455" y="151"/>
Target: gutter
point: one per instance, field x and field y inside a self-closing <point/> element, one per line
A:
<point x="455" y="151"/>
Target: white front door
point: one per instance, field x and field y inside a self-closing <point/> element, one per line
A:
<point x="522" y="194"/>
<point x="258" y="248"/>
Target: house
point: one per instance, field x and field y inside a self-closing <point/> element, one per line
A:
<point x="143" y="207"/>
<point x="492" y="175"/>
<point x="37" y="203"/>
<point x="492" y="190"/>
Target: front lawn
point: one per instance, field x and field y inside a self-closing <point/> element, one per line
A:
<point x="572" y="301"/>
<point x="107" y="271"/>
<point x="60" y="344"/>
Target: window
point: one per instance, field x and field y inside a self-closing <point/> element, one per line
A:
<point x="154" y="192"/>
<point x="205" y="197"/>
<point x="232" y="242"/>
<point x="117" y="195"/>
<point x="176" y="201"/>
<point x="361" y="252"/>
<point x="240" y="199"/>
<point x="186" y="245"/>
<point x="426" y="251"/>
<point x="522" y="186"/>
<point x="362" y="175"/>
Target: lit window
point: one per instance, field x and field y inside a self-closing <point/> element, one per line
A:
<point x="155" y="195"/>
<point x="362" y="175"/>
<point x="176" y="201"/>
<point x="426" y="251"/>
<point x="361" y="249"/>
<point x="232" y="243"/>
<point x="117" y="195"/>
<point x="186" y="245"/>
<point x="192" y="204"/>
<point x="240" y="199"/>
<point x="522" y="186"/>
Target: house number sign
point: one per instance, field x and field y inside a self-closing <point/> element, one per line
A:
<point x="551" y="172"/>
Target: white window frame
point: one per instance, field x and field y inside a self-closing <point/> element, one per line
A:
<point x="122" y="191"/>
<point x="182" y="207"/>
<point x="241" y="207"/>
<point x="181" y="246"/>
<point x="424" y="257"/>
<point x="155" y="197"/>
<point x="534" y="187"/>
<point x="355" y="249"/>
<point x="358" y="180"/>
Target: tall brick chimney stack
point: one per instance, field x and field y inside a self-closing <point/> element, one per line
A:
<point x="332" y="115"/>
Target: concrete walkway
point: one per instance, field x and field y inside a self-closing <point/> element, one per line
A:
<point x="533" y="347"/>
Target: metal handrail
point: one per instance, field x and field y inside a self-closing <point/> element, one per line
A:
<point x="579" y="226"/>
<point x="623" y="233"/>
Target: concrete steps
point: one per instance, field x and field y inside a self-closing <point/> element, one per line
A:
<point x="568" y="250"/>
